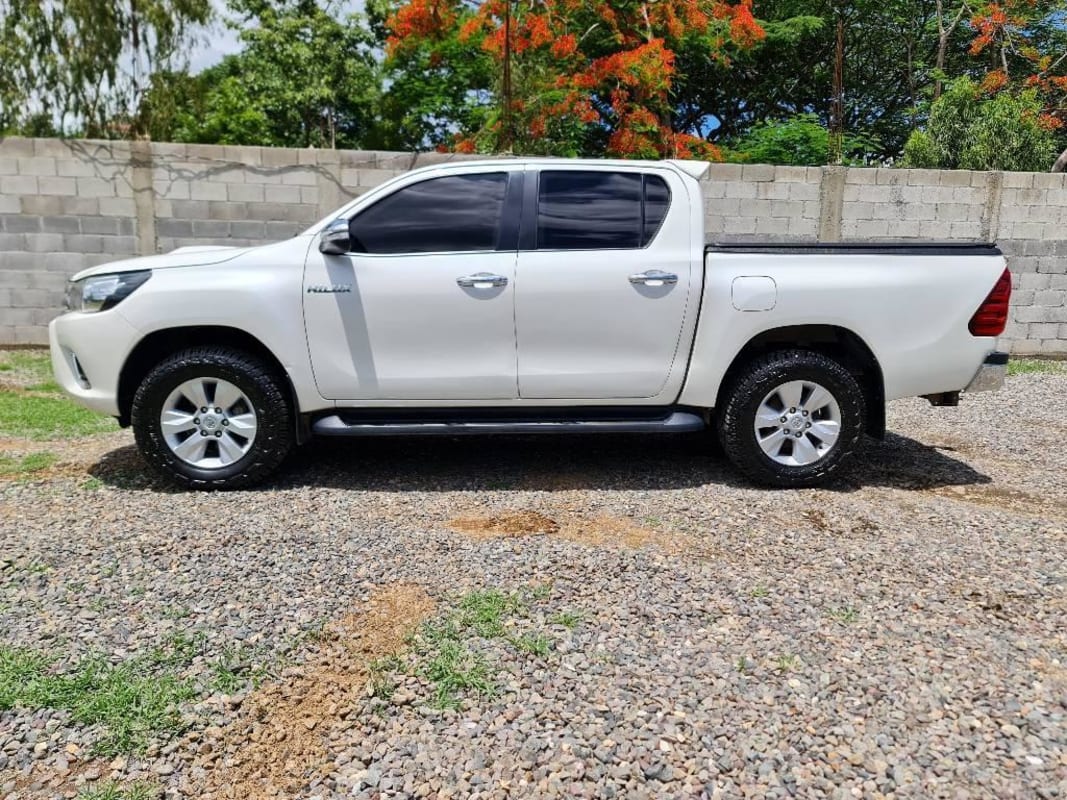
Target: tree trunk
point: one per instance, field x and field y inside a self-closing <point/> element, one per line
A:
<point x="1061" y="163"/>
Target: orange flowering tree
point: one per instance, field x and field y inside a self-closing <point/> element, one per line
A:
<point x="1025" y="45"/>
<point x="567" y="77"/>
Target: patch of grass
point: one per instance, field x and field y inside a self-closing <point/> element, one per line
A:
<point x="541" y="591"/>
<point x="453" y="669"/>
<point x="381" y="671"/>
<point x="32" y="416"/>
<point x="133" y="702"/>
<point x="760" y="591"/>
<point x="1032" y="366"/>
<point x="92" y="483"/>
<point x="568" y="619"/>
<point x="12" y="466"/>
<point x="116" y="791"/>
<point x="846" y="615"/>
<point x="484" y="611"/>
<point x="235" y="669"/>
<point x="34" y="366"/>
<point x="742" y="664"/>
<point x="787" y="662"/>
<point x="536" y="644"/>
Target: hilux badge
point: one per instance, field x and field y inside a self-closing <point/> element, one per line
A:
<point x="332" y="288"/>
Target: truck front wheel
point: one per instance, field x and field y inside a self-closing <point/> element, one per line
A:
<point x="212" y="418"/>
<point x="790" y="418"/>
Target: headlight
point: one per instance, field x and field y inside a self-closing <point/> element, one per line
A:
<point x="101" y="292"/>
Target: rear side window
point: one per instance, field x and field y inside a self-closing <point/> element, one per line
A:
<point x="599" y="210"/>
<point x="457" y="213"/>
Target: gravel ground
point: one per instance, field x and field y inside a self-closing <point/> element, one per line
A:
<point x="901" y="634"/>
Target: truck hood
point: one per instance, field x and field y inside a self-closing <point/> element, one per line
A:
<point x="195" y="256"/>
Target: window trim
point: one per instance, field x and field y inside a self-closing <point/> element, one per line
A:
<point x="507" y="232"/>
<point x="528" y="235"/>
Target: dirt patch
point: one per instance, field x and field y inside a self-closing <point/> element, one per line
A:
<point x="599" y="531"/>
<point x="74" y="458"/>
<point x="1004" y="498"/>
<point x="861" y="526"/>
<point x="280" y="739"/>
<point x="518" y="523"/>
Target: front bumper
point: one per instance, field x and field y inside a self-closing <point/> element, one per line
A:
<point x="88" y="351"/>
<point x="990" y="375"/>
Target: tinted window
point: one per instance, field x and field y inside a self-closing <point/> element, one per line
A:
<point x="657" y="201"/>
<point x="588" y="210"/>
<point x="456" y="213"/>
<point x="599" y="210"/>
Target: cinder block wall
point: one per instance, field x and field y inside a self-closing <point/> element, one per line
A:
<point x="69" y="204"/>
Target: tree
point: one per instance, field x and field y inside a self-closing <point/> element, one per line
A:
<point x="303" y="78"/>
<point x="970" y="129"/>
<point x="801" y="140"/>
<point x="580" y="76"/>
<point x="86" y="64"/>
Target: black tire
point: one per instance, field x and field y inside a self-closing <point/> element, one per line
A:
<point x="736" y="418"/>
<point x="274" y="434"/>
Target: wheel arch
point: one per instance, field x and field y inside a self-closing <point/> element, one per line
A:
<point x="833" y="341"/>
<point x="157" y="345"/>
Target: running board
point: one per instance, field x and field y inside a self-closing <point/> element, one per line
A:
<point x="675" y="422"/>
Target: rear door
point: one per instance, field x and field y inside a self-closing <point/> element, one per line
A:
<point x="603" y="282"/>
<point x="423" y="308"/>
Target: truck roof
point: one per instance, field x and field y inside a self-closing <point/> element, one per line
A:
<point x="696" y="169"/>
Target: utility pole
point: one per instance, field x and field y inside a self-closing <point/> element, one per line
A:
<point x="505" y="122"/>
<point x="837" y="110"/>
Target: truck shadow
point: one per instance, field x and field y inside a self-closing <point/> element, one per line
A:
<point x="551" y="463"/>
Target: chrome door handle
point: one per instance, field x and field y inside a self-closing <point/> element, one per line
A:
<point x="482" y="280"/>
<point x="654" y="277"/>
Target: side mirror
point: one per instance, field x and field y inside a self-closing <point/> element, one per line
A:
<point x="334" y="240"/>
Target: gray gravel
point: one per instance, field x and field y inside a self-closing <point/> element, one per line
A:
<point x="901" y="634"/>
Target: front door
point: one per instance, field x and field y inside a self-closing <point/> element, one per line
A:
<point x="603" y="294"/>
<point x="423" y="308"/>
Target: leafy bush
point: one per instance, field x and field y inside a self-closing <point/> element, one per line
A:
<point x="801" y="140"/>
<point x="968" y="130"/>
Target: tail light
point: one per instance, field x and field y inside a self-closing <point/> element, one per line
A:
<point x="992" y="316"/>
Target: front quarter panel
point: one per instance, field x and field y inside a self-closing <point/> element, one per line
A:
<point x="258" y="292"/>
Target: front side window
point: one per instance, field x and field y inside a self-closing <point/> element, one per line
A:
<point x="599" y="210"/>
<point x="457" y="213"/>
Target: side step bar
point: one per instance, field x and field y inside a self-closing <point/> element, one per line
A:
<point x="675" y="422"/>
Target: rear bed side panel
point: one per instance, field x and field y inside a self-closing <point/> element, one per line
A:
<point x="911" y="310"/>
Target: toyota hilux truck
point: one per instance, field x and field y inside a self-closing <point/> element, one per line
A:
<point x="527" y="296"/>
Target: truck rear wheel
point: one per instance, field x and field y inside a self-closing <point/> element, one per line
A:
<point x="791" y="417"/>
<point x="212" y="418"/>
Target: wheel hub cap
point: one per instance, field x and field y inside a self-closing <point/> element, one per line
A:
<point x="208" y="423"/>
<point x="798" y="423"/>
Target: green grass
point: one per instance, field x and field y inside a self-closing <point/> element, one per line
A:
<point x="846" y="615"/>
<point x="116" y="791"/>
<point x="12" y="466"/>
<point x="1031" y="366"/>
<point x="33" y="406"/>
<point x="34" y="416"/>
<point x="134" y="702"/>
<point x="568" y="619"/>
<point x="447" y="653"/>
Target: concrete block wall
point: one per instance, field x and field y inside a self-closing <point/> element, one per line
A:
<point x="68" y="204"/>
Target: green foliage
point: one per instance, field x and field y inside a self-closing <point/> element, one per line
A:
<point x="303" y="78"/>
<point x="801" y="140"/>
<point x="133" y="701"/>
<point x="112" y="790"/>
<point x="26" y="465"/>
<point x="1035" y="366"/>
<point x="968" y="130"/>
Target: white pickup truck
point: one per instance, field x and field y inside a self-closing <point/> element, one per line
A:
<point x="526" y="296"/>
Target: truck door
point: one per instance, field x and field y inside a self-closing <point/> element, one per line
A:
<point x="423" y="306"/>
<point x="603" y="283"/>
